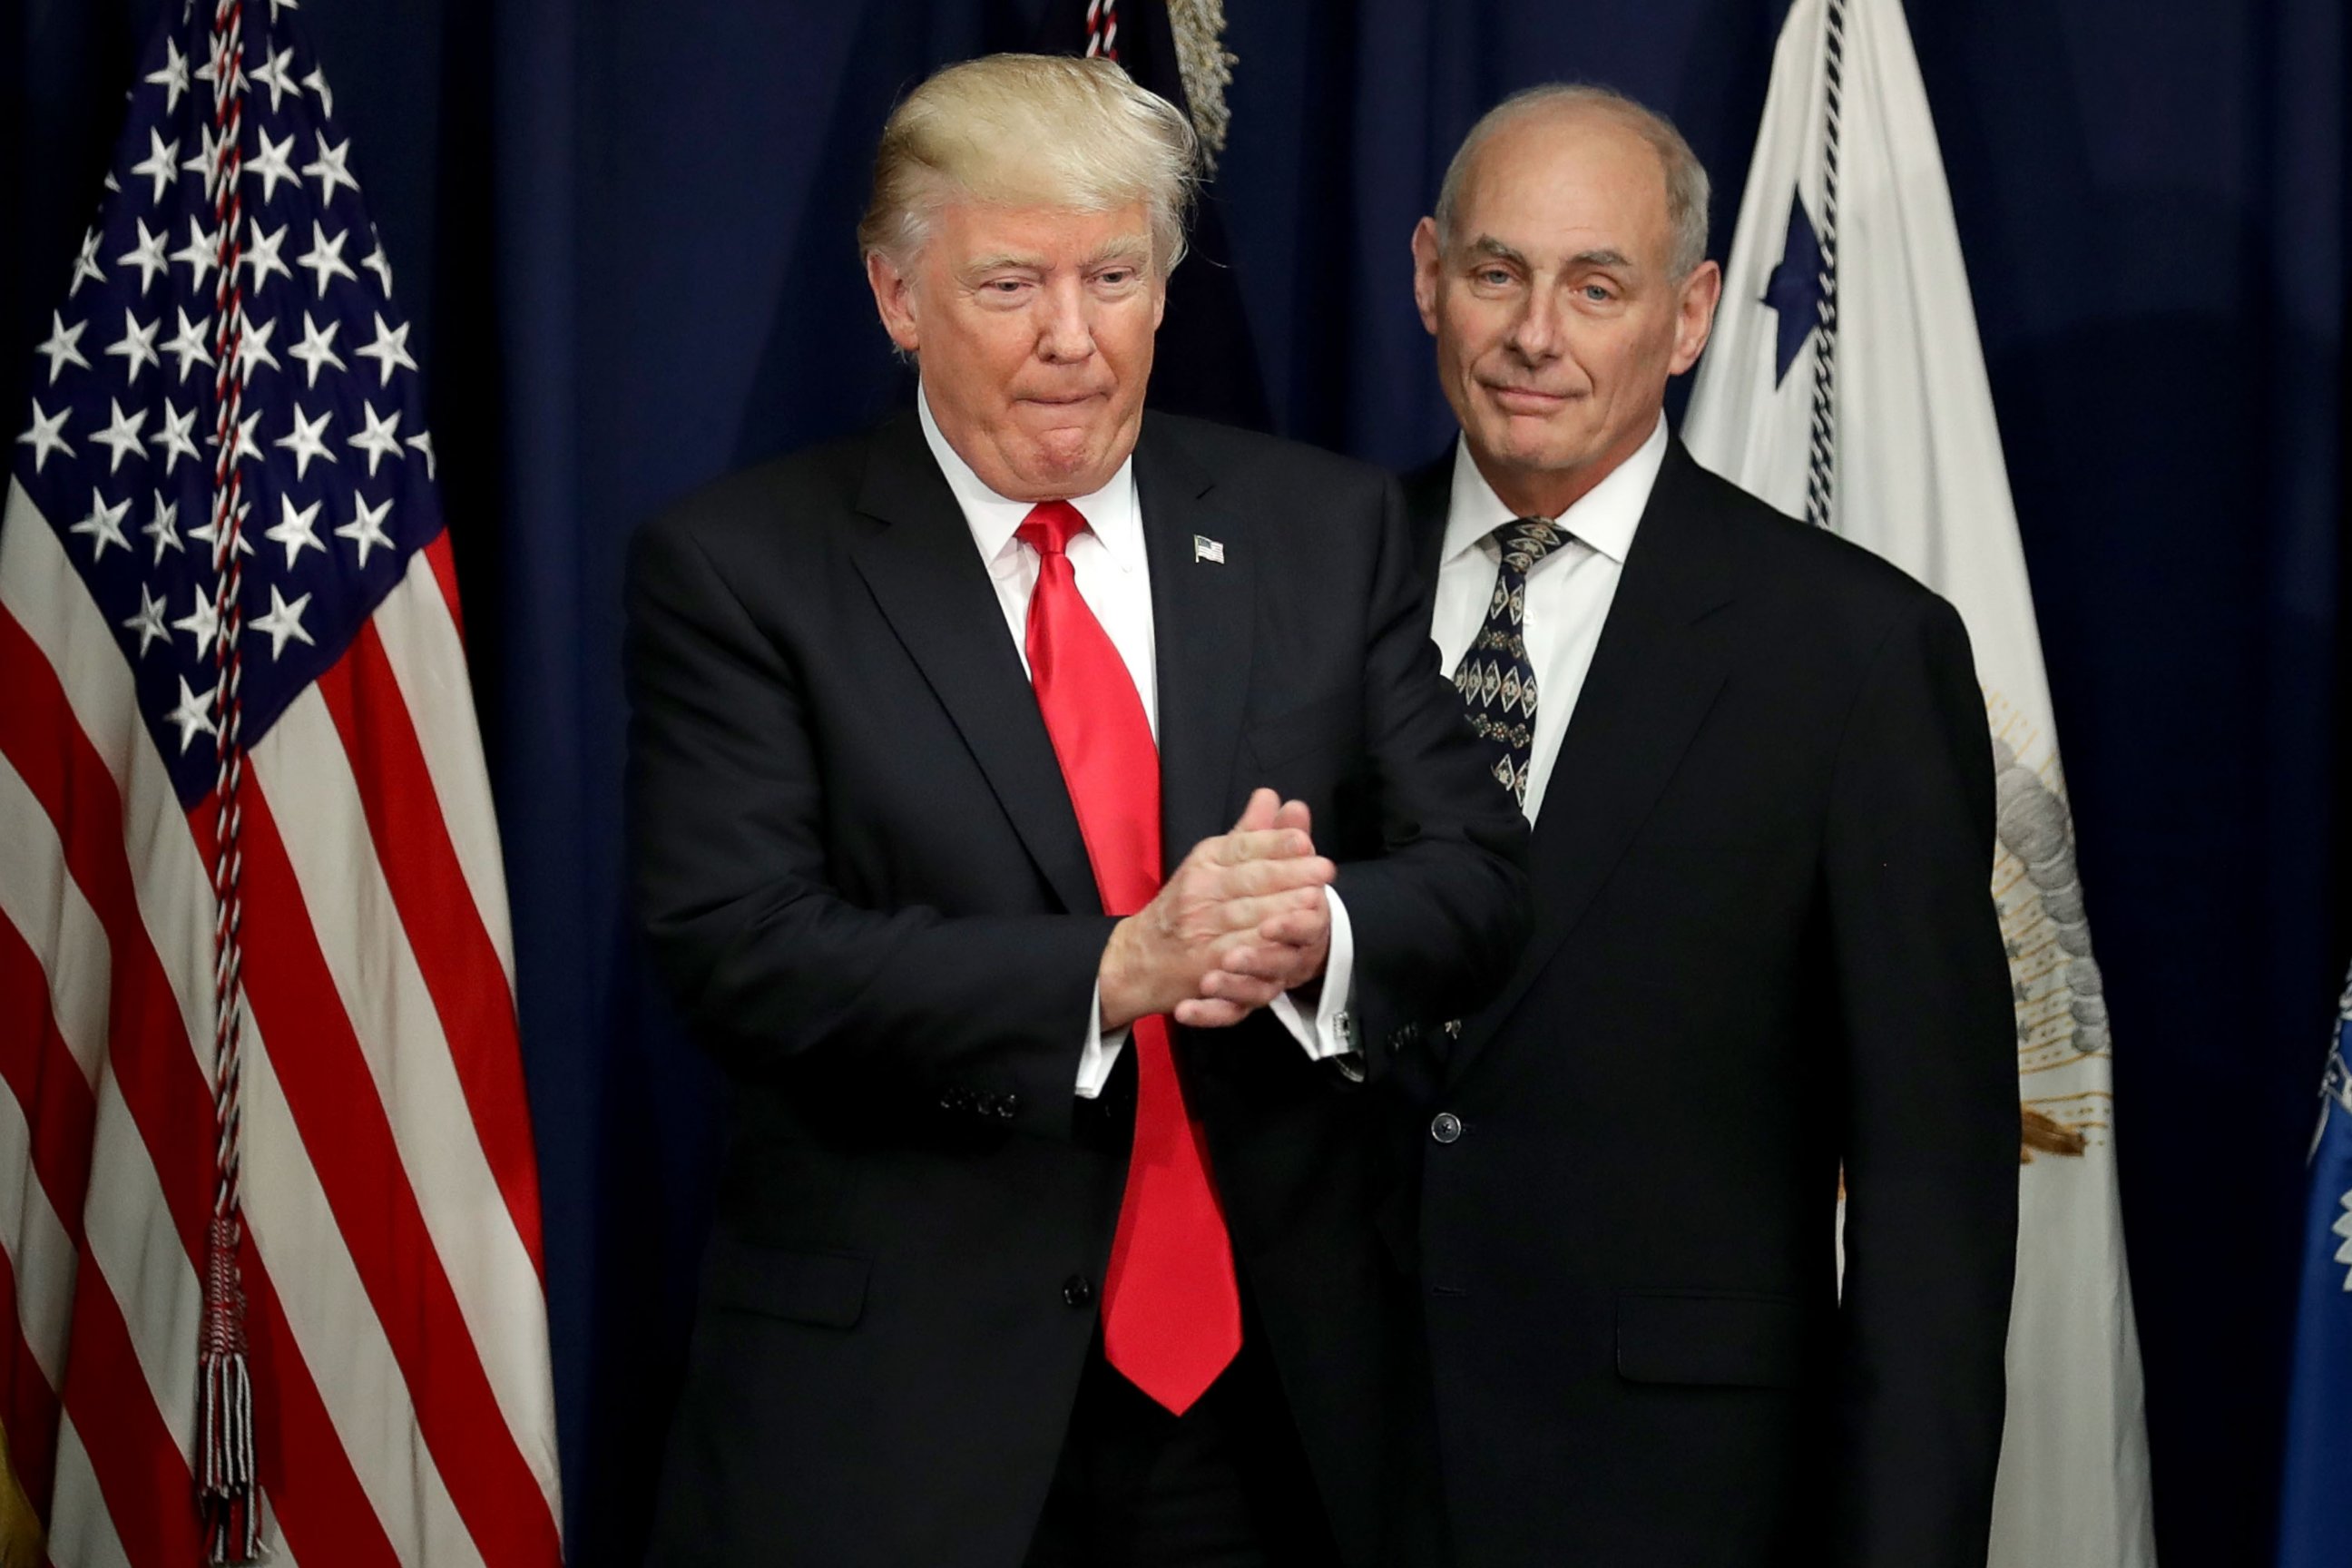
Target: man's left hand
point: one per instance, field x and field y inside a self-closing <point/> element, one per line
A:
<point x="1285" y="951"/>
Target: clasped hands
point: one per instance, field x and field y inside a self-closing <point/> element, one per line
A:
<point x="1242" y="920"/>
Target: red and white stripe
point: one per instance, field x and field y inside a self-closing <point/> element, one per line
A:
<point x="396" y="1300"/>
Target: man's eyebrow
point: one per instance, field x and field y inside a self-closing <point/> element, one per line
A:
<point x="1487" y="245"/>
<point x="1136" y="247"/>
<point x="1002" y="259"/>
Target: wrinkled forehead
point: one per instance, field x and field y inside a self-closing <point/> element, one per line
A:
<point x="971" y="232"/>
<point x="1568" y="180"/>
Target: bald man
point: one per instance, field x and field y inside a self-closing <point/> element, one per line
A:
<point x="1756" y="764"/>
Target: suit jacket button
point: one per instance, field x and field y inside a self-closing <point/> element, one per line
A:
<point x="1445" y="1127"/>
<point x="1077" y="1290"/>
<point x="1008" y="1106"/>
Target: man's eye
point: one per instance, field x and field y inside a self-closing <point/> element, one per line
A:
<point x="1494" y="278"/>
<point x="1599" y="293"/>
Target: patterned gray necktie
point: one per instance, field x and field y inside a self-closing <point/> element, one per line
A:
<point x="1497" y="682"/>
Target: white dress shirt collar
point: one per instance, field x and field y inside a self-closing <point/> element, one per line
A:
<point x="1112" y="512"/>
<point x="1604" y="518"/>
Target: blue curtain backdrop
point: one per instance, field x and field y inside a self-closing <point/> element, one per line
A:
<point x="623" y="232"/>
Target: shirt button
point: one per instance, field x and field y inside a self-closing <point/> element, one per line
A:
<point x="1445" y="1127"/>
<point x="1077" y="1290"/>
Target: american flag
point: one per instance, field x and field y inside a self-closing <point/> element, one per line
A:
<point x="391" y="1279"/>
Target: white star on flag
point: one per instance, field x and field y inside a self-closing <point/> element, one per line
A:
<point x="187" y="345"/>
<point x="47" y="435"/>
<point x="247" y="448"/>
<point x="253" y="344"/>
<point x="272" y="164"/>
<point x="261" y="255"/>
<point x="366" y="530"/>
<point x="317" y="82"/>
<point x="283" y="621"/>
<point x="193" y="715"/>
<point x="198" y="253"/>
<point x="86" y="263"/>
<point x="149" y="622"/>
<point x="158" y="165"/>
<point x="272" y="73"/>
<point x="163" y="527"/>
<point x="209" y="534"/>
<point x="61" y="348"/>
<point x="423" y="442"/>
<point x="202" y="624"/>
<point x="136" y="347"/>
<point x="316" y="349"/>
<point x="120" y="437"/>
<point x="389" y="350"/>
<point x="204" y="162"/>
<point x="306" y="442"/>
<point x="147" y="255"/>
<point x="329" y="168"/>
<point x="325" y="257"/>
<point x="297" y="529"/>
<point x="377" y="262"/>
<point x="380" y="438"/>
<point x="179" y="437"/>
<point x="173" y="77"/>
<point x="103" y="526"/>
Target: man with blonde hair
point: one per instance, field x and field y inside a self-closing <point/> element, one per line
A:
<point x="1046" y="813"/>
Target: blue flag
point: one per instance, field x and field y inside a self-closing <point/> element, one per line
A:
<point x="2316" y="1500"/>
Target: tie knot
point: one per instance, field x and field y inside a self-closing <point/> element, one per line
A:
<point x="1527" y="540"/>
<point x="1050" y="526"/>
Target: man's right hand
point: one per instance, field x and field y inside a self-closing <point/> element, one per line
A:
<point x="1226" y="888"/>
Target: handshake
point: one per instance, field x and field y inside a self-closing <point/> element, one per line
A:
<point x="1242" y="920"/>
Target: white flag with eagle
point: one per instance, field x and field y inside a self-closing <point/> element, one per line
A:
<point x="1845" y="384"/>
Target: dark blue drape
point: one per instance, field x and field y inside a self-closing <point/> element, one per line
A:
<point x="623" y="233"/>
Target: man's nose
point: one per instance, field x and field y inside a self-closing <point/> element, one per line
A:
<point x="1066" y="330"/>
<point x="1535" y="334"/>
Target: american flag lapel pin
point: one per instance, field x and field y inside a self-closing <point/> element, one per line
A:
<point x="1207" y="549"/>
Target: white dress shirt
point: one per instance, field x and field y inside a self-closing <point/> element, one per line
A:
<point x="1114" y="578"/>
<point x="1569" y="591"/>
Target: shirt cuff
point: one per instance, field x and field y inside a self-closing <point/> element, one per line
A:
<point x="1331" y="1032"/>
<point x="1101" y="1050"/>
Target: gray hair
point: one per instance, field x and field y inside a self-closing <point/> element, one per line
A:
<point x="1032" y="130"/>
<point x="1686" y="183"/>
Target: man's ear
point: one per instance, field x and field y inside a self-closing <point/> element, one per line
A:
<point x="894" y="299"/>
<point x="1424" y="272"/>
<point x="1695" y="314"/>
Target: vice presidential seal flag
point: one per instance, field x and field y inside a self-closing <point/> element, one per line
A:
<point x="268" y="1197"/>
<point x="1845" y="384"/>
<point x="2315" y="1503"/>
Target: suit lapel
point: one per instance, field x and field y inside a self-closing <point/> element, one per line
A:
<point x="931" y="586"/>
<point x="1203" y="616"/>
<point x="1654" y="676"/>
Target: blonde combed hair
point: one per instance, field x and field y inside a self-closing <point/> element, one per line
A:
<point x="1031" y="130"/>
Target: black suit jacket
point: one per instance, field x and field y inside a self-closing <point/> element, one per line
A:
<point x="1765" y="946"/>
<point x="861" y="876"/>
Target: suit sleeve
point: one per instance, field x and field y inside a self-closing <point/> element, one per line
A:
<point x="1439" y="916"/>
<point x="771" y="964"/>
<point x="1931" y="1111"/>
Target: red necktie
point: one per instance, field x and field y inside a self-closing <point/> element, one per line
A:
<point x="1172" y="1312"/>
